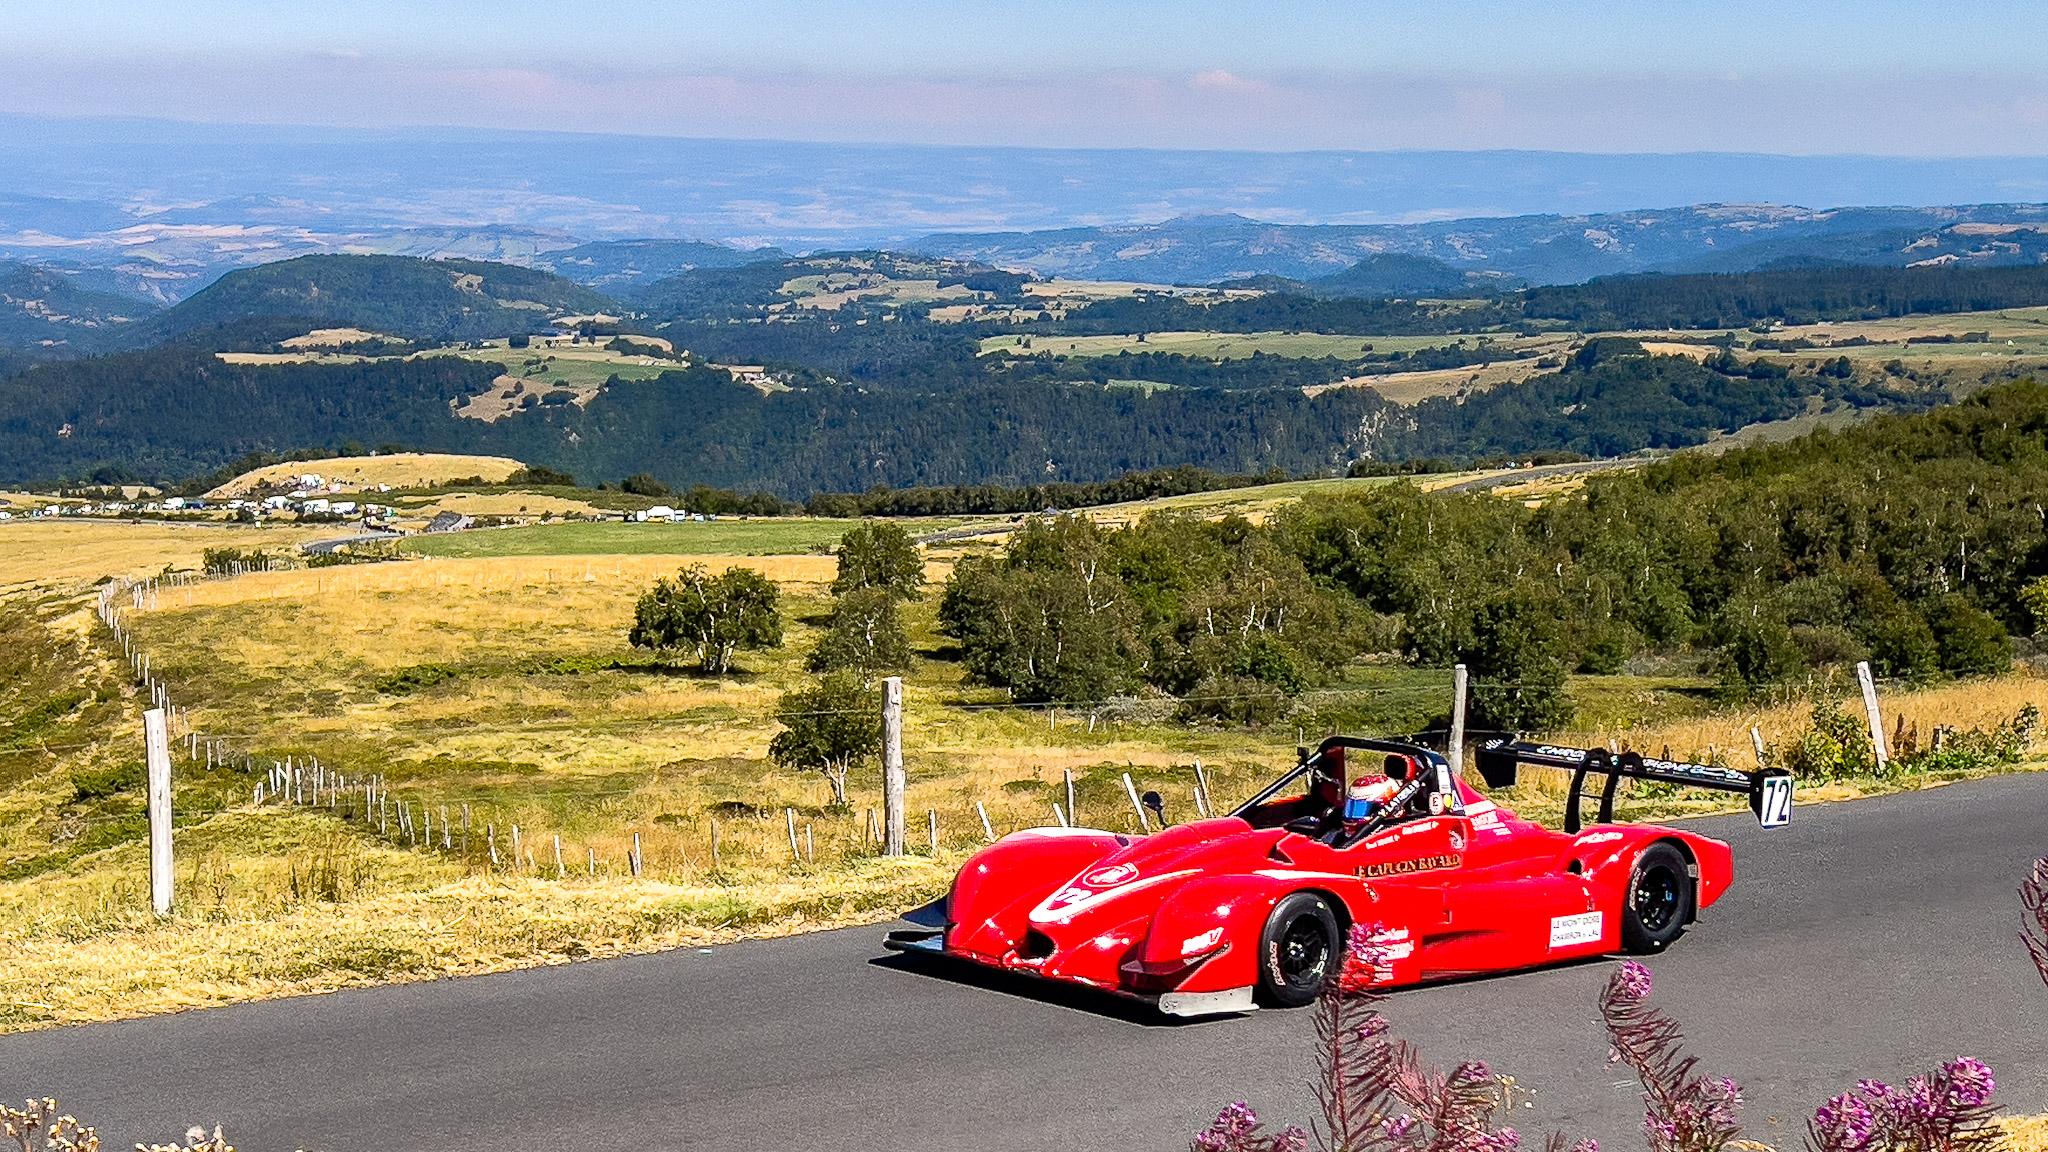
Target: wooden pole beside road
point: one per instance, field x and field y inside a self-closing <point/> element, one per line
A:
<point x="892" y="766"/>
<point x="1459" y="682"/>
<point x="157" y="747"/>
<point x="1876" y="718"/>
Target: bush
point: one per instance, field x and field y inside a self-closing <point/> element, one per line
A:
<point x="644" y="484"/>
<point x="100" y="783"/>
<point x="1968" y="638"/>
<point x="1834" y="746"/>
<point x="406" y="681"/>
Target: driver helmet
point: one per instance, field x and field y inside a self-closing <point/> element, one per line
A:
<point x="1367" y="795"/>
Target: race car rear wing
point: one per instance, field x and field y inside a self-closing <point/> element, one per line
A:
<point x="1769" y="790"/>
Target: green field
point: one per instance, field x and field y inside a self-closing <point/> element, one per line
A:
<point x="611" y="538"/>
<point x="1237" y="345"/>
<point x="581" y="367"/>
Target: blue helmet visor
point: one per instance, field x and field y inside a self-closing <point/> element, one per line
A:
<point x="1358" y="808"/>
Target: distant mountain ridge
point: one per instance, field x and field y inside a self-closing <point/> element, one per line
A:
<point x="1539" y="249"/>
<point x="622" y="267"/>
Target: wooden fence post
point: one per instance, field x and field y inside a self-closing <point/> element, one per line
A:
<point x="157" y="749"/>
<point x="932" y="814"/>
<point x="988" y="831"/>
<point x="1876" y="718"/>
<point x="789" y="817"/>
<point x="636" y="854"/>
<point x="559" y="870"/>
<point x="1459" y="681"/>
<point x="893" y="783"/>
<point x="1202" y="785"/>
<point x="717" y="864"/>
<point x="1073" y="813"/>
<point x="1131" y="789"/>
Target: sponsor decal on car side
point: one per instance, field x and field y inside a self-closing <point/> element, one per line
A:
<point x="1569" y="931"/>
<point x="1417" y="864"/>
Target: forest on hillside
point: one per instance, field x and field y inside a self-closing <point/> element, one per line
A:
<point x="1917" y="543"/>
<point x="944" y="420"/>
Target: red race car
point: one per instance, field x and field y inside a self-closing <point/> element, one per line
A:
<point x="1227" y="914"/>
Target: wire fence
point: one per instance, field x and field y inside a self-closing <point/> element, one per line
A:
<point x="493" y="835"/>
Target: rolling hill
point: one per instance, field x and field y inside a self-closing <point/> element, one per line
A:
<point x="401" y="295"/>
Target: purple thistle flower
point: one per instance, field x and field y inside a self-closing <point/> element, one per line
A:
<point x="1969" y="1082"/>
<point x="1587" y="1145"/>
<point x="1634" y="979"/>
<point x="1291" y="1139"/>
<point x="1843" y="1124"/>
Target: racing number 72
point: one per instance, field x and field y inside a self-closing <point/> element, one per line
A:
<point x="1775" y="807"/>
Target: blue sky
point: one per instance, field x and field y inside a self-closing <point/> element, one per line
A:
<point x="1881" y="78"/>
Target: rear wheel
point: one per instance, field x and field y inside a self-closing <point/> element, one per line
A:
<point x="1298" y="951"/>
<point x="1659" y="901"/>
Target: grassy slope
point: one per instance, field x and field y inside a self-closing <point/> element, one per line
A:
<point x="721" y="537"/>
<point x="551" y="723"/>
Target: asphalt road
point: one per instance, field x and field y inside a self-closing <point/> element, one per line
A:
<point x="1868" y="939"/>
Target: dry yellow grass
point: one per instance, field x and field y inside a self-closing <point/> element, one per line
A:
<point x="53" y="553"/>
<point x="353" y="473"/>
<point x="1963" y="704"/>
<point x="2025" y="1133"/>
<point x="96" y="956"/>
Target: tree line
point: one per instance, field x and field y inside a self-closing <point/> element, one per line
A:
<point x="1915" y="542"/>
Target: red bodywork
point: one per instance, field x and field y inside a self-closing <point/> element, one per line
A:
<point x="1176" y="916"/>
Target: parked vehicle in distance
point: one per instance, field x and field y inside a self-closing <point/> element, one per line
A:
<point x="1253" y="908"/>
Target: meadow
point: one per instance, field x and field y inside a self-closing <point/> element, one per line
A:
<point x="712" y="537"/>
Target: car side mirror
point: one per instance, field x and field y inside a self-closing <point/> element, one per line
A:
<point x="1305" y="825"/>
<point x="1155" y="804"/>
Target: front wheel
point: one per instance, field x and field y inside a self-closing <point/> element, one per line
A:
<point x="1298" y="950"/>
<point x="1659" y="901"/>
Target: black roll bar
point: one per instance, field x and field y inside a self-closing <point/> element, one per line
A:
<point x="1308" y="761"/>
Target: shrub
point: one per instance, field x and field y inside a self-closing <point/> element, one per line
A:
<point x="1834" y="746"/>
<point x="100" y="783"/>
<point x="1968" y="638"/>
<point x="644" y="484"/>
<point x="406" y="681"/>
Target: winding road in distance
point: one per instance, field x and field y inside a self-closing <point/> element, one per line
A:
<point x="1874" y="938"/>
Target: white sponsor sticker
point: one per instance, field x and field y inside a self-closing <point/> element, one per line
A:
<point x="1566" y="931"/>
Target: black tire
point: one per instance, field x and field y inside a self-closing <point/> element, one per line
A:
<point x="1300" y="947"/>
<point x="1659" y="901"/>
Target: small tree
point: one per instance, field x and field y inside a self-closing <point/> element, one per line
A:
<point x="712" y="616"/>
<point x="867" y="635"/>
<point x="880" y="555"/>
<point x="829" y="729"/>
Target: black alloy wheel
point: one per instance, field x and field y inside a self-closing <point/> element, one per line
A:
<point x="1299" y="950"/>
<point x="1659" y="900"/>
